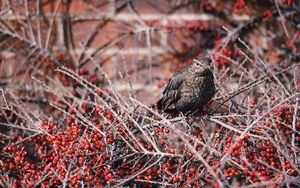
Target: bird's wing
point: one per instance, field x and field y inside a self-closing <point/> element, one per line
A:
<point x="171" y="92"/>
<point x="173" y="84"/>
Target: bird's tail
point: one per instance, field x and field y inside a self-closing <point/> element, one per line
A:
<point x="158" y="104"/>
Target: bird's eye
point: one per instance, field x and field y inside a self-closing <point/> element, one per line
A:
<point x="198" y="64"/>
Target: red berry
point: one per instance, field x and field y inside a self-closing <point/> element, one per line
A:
<point x="192" y="170"/>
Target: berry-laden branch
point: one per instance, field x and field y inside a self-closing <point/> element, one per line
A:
<point x="79" y="81"/>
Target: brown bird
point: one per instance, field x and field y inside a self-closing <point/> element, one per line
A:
<point x="189" y="89"/>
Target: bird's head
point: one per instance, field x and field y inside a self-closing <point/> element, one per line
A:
<point x="201" y="65"/>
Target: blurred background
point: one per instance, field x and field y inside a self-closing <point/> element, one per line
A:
<point x="142" y="41"/>
<point x="139" y="44"/>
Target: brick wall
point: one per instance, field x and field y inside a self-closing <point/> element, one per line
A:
<point x="134" y="38"/>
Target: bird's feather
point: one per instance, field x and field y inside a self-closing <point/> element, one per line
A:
<point x="171" y="92"/>
<point x="189" y="89"/>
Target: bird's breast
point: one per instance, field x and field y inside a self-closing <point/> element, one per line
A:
<point x="197" y="87"/>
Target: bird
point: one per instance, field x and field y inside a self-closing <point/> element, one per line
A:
<point x="189" y="89"/>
